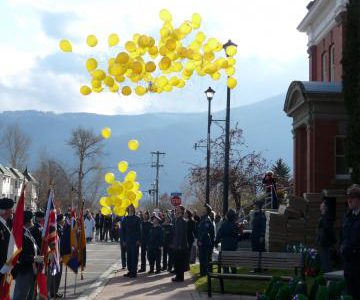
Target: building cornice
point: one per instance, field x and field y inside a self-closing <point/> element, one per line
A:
<point x="321" y="18"/>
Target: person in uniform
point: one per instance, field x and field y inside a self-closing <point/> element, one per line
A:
<point x="37" y="229"/>
<point x="228" y="235"/>
<point x="168" y="256"/>
<point x="6" y="206"/>
<point x="180" y="244"/>
<point x="24" y="272"/>
<point x="155" y="242"/>
<point x="132" y="238"/>
<point x="350" y="242"/>
<point x="145" y="231"/>
<point x="205" y="239"/>
<point x="122" y="243"/>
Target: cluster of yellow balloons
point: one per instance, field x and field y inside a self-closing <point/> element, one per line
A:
<point x="121" y="194"/>
<point x="146" y="66"/>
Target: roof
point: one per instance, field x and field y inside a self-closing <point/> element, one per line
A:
<point x="5" y="171"/>
<point x="320" y="87"/>
<point x="17" y="173"/>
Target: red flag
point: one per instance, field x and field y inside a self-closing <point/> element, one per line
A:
<point x="15" y="244"/>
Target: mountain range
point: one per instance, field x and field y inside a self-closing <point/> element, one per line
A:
<point x="265" y="126"/>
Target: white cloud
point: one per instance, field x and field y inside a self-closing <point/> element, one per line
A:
<point x="271" y="51"/>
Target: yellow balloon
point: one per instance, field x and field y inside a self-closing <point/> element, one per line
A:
<point x="153" y="51"/>
<point x="119" y="211"/>
<point x="125" y="203"/>
<point x="139" y="195"/>
<point x="231" y="50"/>
<point x="65" y="46"/>
<point x="109" y="81"/>
<point x="140" y="90"/>
<point x="114" y="88"/>
<point x="122" y="58"/>
<point x="109" y="178"/>
<point x="136" y="186"/>
<point x="99" y="74"/>
<point x="130" y="46"/>
<point x="135" y="203"/>
<point x="91" y="40"/>
<point x="131" y="176"/>
<point x="133" y="145"/>
<point x="230" y="71"/>
<point x="106" y="211"/>
<point x="113" y="40"/>
<point x="165" y="15"/>
<point x="123" y="166"/>
<point x="103" y="201"/>
<point x="129" y="185"/>
<point x="91" y="64"/>
<point x="85" y="90"/>
<point x="126" y="91"/>
<point x="106" y="133"/>
<point x="150" y="67"/>
<point x="96" y="83"/>
<point x="131" y="196"/>
<point x="165" y="63"/>
<point x="231" y="82"/>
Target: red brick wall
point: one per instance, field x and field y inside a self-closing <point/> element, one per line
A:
<point x="334" y="37"/>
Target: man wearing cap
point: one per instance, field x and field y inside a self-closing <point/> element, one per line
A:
<point x="180" y="244"/>
<point x="350" y="242"/>
<point x="154" y="244"/>
<point x="6" y="206"/>
<point x="206" y="238"/>
<point x="37" y="229"/>
<point x="24" y="272"/>
<point x="145" y="231"/>
<point x="132" y="238"/>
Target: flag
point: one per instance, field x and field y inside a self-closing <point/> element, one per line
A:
<point x="70" y="244"/>
<point x="82" y="240"/>
<point x="274" y="197"/>
<point x="15" y="244"/>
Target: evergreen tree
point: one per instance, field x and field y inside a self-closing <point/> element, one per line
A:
<point x="351" y="85"/>
<point x="281" y="172"/>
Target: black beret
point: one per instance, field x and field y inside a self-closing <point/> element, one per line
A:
<point x="39" y="214"/>
<point x="6" y="203"/>
<point x="60" y="217"/>
<point x="28" y="215"/>
<point x="354" y="191"/>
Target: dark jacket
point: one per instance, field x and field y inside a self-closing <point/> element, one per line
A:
<point x="350" y="242"/>
<point x="155" y="240"/>
<point x="180" y="241"/>
<point x="191" y="228"/>
<point x="145" y="231"/>
<point x="36" y="232"/>
<point x="131" y="229"/>
<point x="325" y="236"/>
<point x="168" y="232"/>
<point x="4" y="243"/>
<point x="228" y="235"/>
<point x="206" y="232"/>
<point x="97" y="221"/>
<point x="26" y="257"/>
<point x="258" y="231"/>
<point x="60" y="232"/>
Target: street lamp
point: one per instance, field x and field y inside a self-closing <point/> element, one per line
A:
<point x="209" y="95"/>
<point x="227" y="143"/>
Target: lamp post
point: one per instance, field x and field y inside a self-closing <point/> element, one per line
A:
<point x="209" y="95"/>
<point x="227" y="143"/>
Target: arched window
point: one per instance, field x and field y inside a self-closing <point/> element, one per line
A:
<point x="332" y="62"/>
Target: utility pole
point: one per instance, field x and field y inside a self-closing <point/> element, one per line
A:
<point x="157" y="166"/>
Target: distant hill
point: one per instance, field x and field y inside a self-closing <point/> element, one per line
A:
<point x="266" y="129"/>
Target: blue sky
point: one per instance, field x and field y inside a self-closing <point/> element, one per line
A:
<point x="36" y="75"/>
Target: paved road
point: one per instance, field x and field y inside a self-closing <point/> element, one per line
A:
<point x="102" y="261"/>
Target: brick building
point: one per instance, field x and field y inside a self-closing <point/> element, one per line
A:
<point x="317" y="105"/>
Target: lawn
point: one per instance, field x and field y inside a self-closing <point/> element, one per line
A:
<point x="241" y="287"/>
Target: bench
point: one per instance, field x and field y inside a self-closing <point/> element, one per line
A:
<point x="253" y="260"/>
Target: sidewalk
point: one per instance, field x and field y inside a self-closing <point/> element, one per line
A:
<point x="151" y="287"/>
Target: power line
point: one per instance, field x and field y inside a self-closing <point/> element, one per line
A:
<point x="157" y="165"/>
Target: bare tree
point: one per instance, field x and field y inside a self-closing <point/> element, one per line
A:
<point x="88" y="148"/>
<point x="15" y="146"/>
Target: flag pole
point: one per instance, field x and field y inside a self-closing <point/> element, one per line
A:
<point x="65" y="281"/>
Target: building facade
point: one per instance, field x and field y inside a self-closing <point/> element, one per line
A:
<point x="317" y="105"/>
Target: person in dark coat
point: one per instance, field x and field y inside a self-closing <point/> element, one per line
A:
<point x="180" y="244"/>
<point x="97" y="226"/>
<point x="168" y="253"/>
<point x="132" y="238"/>
<point x="37" y="229"/>
<point x="205" y="239"/>
<point x="228" y="235"/>
<point x="325" y="238"/>
<point x="258" y="227"/>
<point x="191" y="227"/>
<point x="24" y="271"/>
<point x="122" y="243"/>
<point x="350" y="242"/>
<point x="102" y="224"/>
<point x="154" y="244"/>
<point x="145" y="231"/>
<point x="6" y="206"/>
